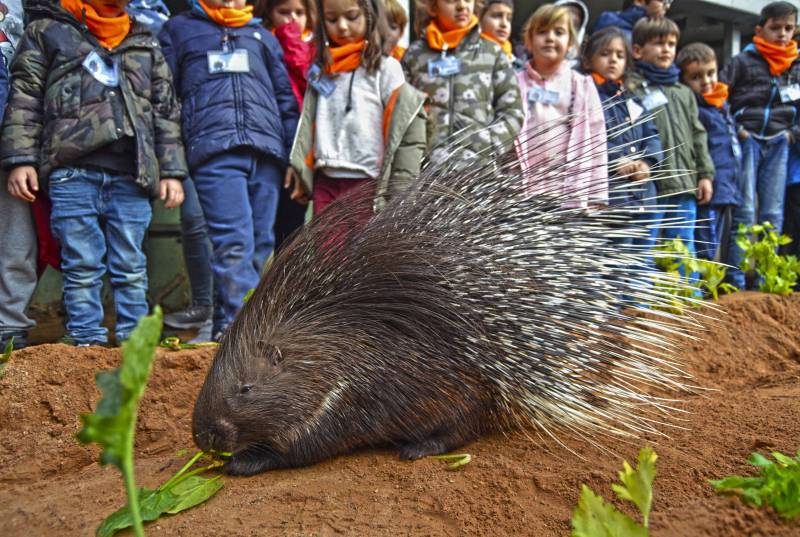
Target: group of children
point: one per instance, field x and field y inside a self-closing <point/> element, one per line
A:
<point x="245" y="114"/>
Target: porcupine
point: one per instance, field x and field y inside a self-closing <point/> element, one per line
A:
<point x="464" y="307"/>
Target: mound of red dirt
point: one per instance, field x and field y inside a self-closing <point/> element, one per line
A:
<point x="748" y="360"/>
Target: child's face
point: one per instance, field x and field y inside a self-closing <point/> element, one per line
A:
<point x="660" y="51"/>
<point x="344" y="21"/>
<point x="454" y="13"/>
<point x="778" y="31"/>
<point x="700" y="76"/>
<point x="395" y="33"/>
<point x="108" y="8"/>
<point x="550" y="46"/>
<point x="609" y="62"/>
<point x="235" y="4"/>
<point x="289" y="11"/>
<point x="497" y="21"/>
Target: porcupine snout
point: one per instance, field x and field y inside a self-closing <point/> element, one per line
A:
<point x="216" y="434"/>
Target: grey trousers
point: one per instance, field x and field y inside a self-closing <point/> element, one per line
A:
<point x="17" y="261"/>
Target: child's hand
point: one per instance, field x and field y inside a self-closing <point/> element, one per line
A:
<point x="635" y="170"/>
<point x="295" y="184"/>
<point x="23" y="183"/>
<point x="171" y="191"/>
<point x="743" y="135"/>
<point x="705" y="189"/>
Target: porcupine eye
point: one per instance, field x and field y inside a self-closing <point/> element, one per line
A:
<point x="245" y="388"/>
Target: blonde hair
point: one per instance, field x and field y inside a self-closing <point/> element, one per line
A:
<point x="395" y="13"/>
<point x="424" y="14"/>
<point x="544" y="18"/>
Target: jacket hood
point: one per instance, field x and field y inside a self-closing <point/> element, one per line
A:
<point x="580" y="33"/>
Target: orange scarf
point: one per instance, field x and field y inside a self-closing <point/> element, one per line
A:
<point x="228" y="16"/>
<point x="397" y="52"/>
<point x="505" y="45"/>
<point x="438" y="39"/>
<point x="779" y="58"/>
<point x="600" y="79"/>
<point x="717" y="96"/>
<point x="347" y="57"/>
<point x="110" y="31"/>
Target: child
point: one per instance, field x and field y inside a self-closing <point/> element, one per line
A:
<point x="564" y="124"/>
<point x="239" y="116"/>
<point x="496" y="23"/>
<point x="579" y="15"/>
<point x="471" y="83"/>
<point x="764" y="99"/>
<point x="101" y="135"/>
<point x="682" y="136"/>
<point x="151" y="13"/>
<point x="633" y="145"/>
<point x="292" y="23"/>
<point x="632" y="12"/>
<point x="397" y="20"/>
<point x="698" y="65"/>
<point x="361" y="123"/>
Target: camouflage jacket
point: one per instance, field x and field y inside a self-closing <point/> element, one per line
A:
<point x="483" y="97"/>
<point x="58" y="112"/>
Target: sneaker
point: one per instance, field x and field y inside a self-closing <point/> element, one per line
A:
<point x="204" y="334"/>
<point x="191" y="317"/>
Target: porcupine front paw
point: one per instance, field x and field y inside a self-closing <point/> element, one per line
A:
<point x="253" y="460"/>
<point x="432" y="446"/>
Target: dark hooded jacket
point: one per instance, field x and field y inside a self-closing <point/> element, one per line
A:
<point x="58" y="113"/>
<point x="723" y="146"/>
<point x="222" y="111"/>
<point x="624" y="20"/>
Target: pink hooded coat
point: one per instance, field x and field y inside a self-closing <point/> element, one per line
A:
<point x="574" y="152"/>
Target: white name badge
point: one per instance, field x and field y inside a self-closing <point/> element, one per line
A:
<point x="790" y="94"/>
<point x="544" y="96"/>
<point x="220" y="61"/>
<point x="635" y="111"/>
<point x="444" y="67"/>
<point x="95" y="65"/>
<point x="654" y="99"/>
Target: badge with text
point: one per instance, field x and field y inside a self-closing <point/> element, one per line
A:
<point x="321" y="83"/>
<point x="444" y="67"/>
<point x="106" y="74"/>
<point x="790" y="93"/>
<point x="544" y="96"/>
<point x="635" y="110"/>
<point x="221" y="61"/>
<point x="654" y="99"/>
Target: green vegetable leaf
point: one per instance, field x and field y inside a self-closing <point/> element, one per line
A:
<point x="637" y="485"/>
<point x="593" y="517"/>
<point x="6" y="356"/>
<point x="456" y="460"/>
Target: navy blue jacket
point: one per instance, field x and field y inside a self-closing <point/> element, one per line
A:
<point x="624" y="20"/>
<point x="628" y="139"/>
<point x="723" y="146"/>
<point x="5" y="83"/>
<point x="228" y="110"/>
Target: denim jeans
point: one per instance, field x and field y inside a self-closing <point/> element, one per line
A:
<point x="678" y="222"/>
<point x="196" y="248"/>
<point x="239" y="192"/>
<point x="762" y="184"/>
<point x="712" y="232"/>
<point x="100" y="219"/>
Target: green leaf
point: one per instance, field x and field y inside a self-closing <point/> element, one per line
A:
<point x="593" y="517"/>
<point x="637" y="485"/>
<point x="6" y="356"/>
<point x="457" y="460"/>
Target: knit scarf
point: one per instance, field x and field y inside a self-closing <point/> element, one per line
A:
<point x="398" y="52"/>
<point x="779" y="58"/>
<point x="657" y="75"/>
<point x="437" y="39"/>
<point x="504" y="44"/>
<point x="346" y="58"/>
<point x="228" y="16"/>
<point x="110" y="31"/>
<point x="717" y="96"/>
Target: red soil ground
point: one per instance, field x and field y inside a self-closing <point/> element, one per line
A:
<point x="749" y="361"/>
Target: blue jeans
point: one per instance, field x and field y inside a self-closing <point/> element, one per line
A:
<point x="763" y="179"/>
<point x="196" y="248"/>
<point x="239" y="192"/>
<point x="100" y="219"/>
<point x="678" y="222"/>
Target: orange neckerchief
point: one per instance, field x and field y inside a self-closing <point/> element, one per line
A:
<point x="228" y="16"/>
<point x="600" y="79"/>
<point x="347" y="57"/>
<point x="505" y="45"/>
<point x="110" y="31"/>
<point x="779" y="58"/>
<point x="438" y="39"/>
<point x="398" y="52"/>
<point x="717" y="96"/>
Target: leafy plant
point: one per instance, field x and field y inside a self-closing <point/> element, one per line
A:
<point x="6" y="356"/>
<point x="113" y="425"/>
<point x="778" y="273"/>
<point x="777" y="486"/>
<point x="594" y="517"/>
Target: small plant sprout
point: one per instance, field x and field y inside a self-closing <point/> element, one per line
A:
<point x="455" y="460"/>
<point x="594" y="517"/>
<point x="174" y="343"/>
<point x="6" y="356"/>
<point x="778" y="273"/>
<point x="778" y="485"/>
